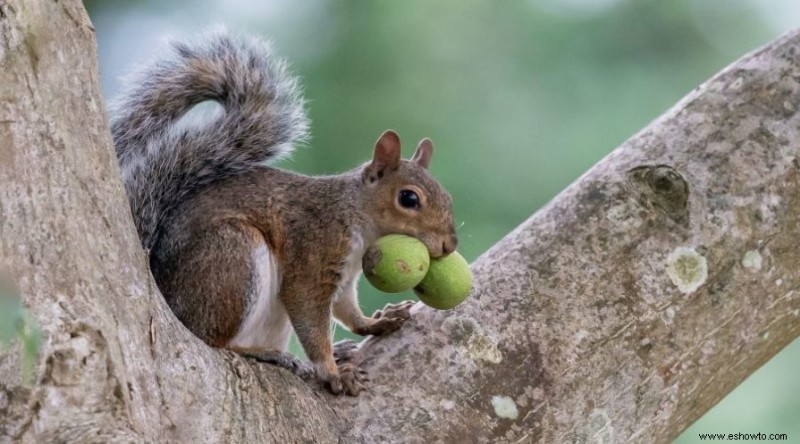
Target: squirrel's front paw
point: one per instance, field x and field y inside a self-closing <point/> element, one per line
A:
<point x="350" y="380"/>
<point x="396" y="311"/>
<point x="390" y="319"/>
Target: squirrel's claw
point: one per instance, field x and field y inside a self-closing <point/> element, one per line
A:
<point x="400" y="310"/>
<point x="345" y="351"/>
<point x="390" y="319"/>
<point x="282" y="359"/>
<point x="352" y="378"/>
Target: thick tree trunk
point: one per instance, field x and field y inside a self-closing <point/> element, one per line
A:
<point x="621" y="311"/>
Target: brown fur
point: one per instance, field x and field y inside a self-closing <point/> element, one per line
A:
<point x="202" y="258"/>
<point x="204" y="203"/>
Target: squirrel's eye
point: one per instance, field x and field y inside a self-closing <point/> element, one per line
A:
<point x="408" y="199"/>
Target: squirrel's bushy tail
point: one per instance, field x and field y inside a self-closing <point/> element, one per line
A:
<point x="162" y="163"/>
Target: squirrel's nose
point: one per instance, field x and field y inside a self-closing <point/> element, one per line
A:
<point x="449" y="245"/>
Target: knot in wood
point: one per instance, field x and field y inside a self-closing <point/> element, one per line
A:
<point x="660" y="187"/>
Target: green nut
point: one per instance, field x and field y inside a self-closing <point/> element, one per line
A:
<point x="447" y="284"/>
<point x="395" y="263"/>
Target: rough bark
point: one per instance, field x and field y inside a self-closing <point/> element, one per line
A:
<point x="623" y="310"/>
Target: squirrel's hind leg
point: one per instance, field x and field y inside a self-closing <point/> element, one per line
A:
<point x="281" y="359"/>
<point x="265" y="328"/>
<point x="265" y="324"/>
<point x="206" y="278"/>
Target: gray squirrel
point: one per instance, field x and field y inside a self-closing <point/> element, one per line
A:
<point x="244" y="252"/>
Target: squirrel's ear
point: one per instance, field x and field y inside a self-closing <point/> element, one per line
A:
<point x="386" y="156"/>
<point x="422" y="156"/>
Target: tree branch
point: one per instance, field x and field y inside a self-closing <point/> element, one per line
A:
<point x="621" y="311"/>
<point x="636" y="299"/>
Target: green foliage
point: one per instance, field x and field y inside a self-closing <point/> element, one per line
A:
<point x="17" y="324"/>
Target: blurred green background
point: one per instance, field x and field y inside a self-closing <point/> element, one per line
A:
<point x="520" y="98"/>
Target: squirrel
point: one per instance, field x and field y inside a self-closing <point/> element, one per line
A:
<point x="244" y="252"/>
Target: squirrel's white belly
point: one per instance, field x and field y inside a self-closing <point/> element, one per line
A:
<point x="266" y="325"/>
